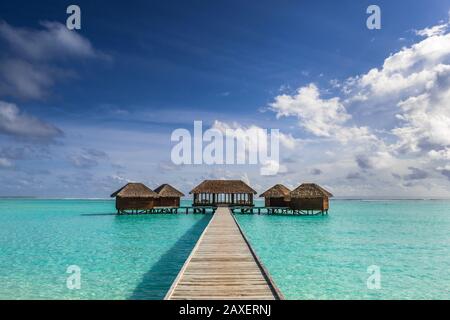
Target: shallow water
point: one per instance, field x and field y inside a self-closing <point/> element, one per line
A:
<point x="327" y="257"/>
<point x="120" y="257"/>
<point x="138" y="257"/>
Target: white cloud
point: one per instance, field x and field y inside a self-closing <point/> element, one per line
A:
<point x="54" y="41"/>
<point x="318" y="116"/>
<point x="16" y="123"/>
<point x="384" y="127"/>
<point x="273" y="167"/>
<point x="5" y="163"/>
<point x="443" y="154"/>
<point x="32" y="60"/>
<point x="425" y="121"/>
<point x="253" y="131"/>
<point x="416" y="80"/>
<point x="22" y="79"/>
<point x="376" y="160"/>
<point x="432" y="31"/>
<point x="257" y="142"/>
<point x="321" y="117"/>
<point x="407" y="72"/>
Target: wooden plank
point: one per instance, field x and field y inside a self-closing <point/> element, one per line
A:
<point x="223" y="265"/>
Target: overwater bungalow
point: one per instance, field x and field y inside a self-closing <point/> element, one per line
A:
<point x="135" y="197"/>
<point x="277" y="196"/>
<point x="223" y="193"/>
<point x="310" y="197"/>
<point x="169" y="197"/>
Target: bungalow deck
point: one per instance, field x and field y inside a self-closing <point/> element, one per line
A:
<point x="223" y="265"/>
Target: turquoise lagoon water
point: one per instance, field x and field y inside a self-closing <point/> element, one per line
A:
<point x="121" y="257"/>
<point x="138" y="257"/>
<point x="327" y="257"/>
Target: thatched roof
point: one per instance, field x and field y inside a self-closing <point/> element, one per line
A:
<point x="167" y="191"/>
<point x="223" y="186"/>
<point x="277" y="191"/>
<point x="310" y="190"/>
<point x="135" y="190"/>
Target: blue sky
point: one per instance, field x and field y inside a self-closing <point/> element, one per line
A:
<point x="83" y="112"/>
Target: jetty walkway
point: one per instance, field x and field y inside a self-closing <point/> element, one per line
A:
<point x="223" y="265"/>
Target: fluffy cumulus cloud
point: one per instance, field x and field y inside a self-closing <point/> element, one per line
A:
<point x="407" y="73"/>
<point x="426" y="118"/>
<point x="413" y="88"/>
<point x="443" y="154"/>
<point x="253" y="131"/>
<point x="318" y="116"/>
<point x="263" y="143"/>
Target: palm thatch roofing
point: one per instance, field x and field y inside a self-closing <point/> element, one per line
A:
<point x="309" y="191"/>
<point x="223" y="186"/>
<point x="277" y="191"/>
<point x="135" y="190"/>
<point x="167" y="191"/>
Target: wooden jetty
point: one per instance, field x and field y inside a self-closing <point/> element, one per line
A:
<point x="223" y="265"/>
